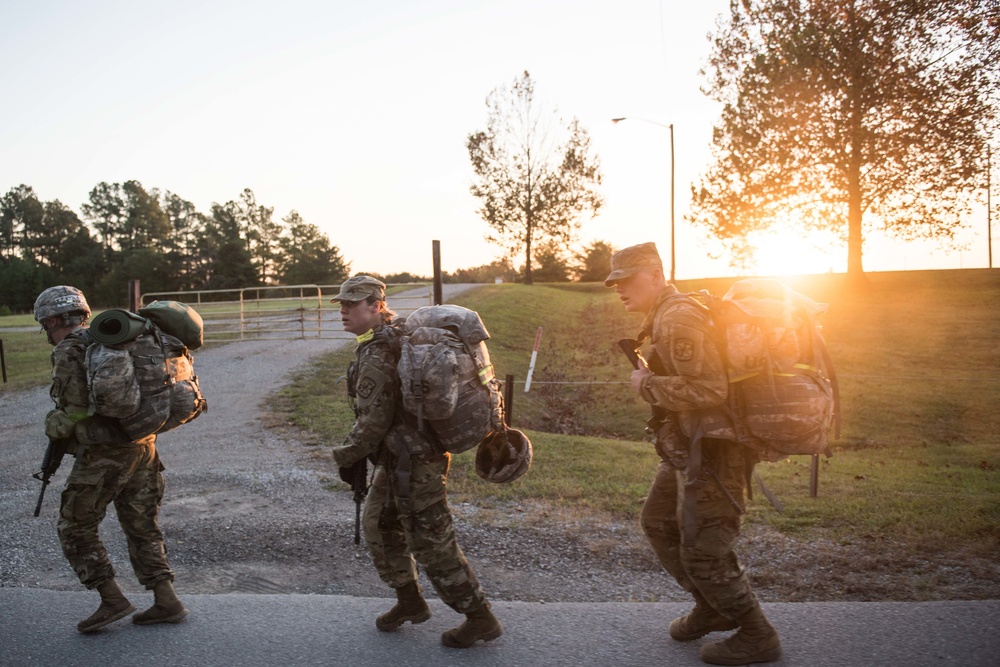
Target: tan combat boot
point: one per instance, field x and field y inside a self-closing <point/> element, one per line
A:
<point x="756" y="641"/>
<point x="166" y="607"/>
<point x="410" y="606"/>
<point x="479" y="624"/>
<point x="699" y="622"/>
<point x="114" y="605"/>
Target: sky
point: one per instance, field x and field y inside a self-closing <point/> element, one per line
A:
<point x="356" y="115"/>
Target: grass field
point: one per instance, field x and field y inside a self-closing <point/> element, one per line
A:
<point x="919" y="368"/>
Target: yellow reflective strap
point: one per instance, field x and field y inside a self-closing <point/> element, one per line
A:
<point x="365" y="337"/>
<point x="486" y="374"/>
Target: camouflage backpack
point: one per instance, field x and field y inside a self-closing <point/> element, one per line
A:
<point x="141" y="375"/>
<point x="446" y="376"/>
<point x="783" y="396"/>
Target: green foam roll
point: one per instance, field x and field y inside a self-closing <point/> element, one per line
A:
<point x="117" y="326"/>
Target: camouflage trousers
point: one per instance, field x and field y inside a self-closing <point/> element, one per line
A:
<point x="706" y="565"/>
<point x="420" y="529"/>
<point x="131" y="478"/>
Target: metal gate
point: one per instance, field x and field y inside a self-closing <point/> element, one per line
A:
<point x="282" y="312"/>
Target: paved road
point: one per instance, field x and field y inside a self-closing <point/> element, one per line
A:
<point x="37" y="628"/>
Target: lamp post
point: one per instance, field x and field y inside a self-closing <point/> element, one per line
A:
<point x="673" y="245"/>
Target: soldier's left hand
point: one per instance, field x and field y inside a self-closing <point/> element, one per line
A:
<point x="58" y="424"/>
<point x="636" y="379"/>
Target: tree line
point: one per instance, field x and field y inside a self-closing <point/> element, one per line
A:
<point x="126" y="232"/>
<point x="157" y="237"/>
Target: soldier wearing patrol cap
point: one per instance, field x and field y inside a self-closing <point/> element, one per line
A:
<point x="693" y="511"/>
<point x="406" y="516"/>
<point x="109" y="468"/>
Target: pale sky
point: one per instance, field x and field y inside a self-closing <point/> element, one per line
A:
<point x="355" y="114"/>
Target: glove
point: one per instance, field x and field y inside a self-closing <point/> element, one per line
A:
<point x="346" y="474"/>
<point x="58" y="424"/>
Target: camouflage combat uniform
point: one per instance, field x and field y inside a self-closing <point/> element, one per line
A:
<point x="108" y="469"/>
<point x="406" y="516"/>
<point x="690" y="382"/>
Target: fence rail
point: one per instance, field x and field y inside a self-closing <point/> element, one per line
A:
<point x="282" y="312"/>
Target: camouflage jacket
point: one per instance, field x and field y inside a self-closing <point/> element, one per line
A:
<point x="377" y="402"/>
<point x="692" y="379"/>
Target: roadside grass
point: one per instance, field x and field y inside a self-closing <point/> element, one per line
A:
<point x="26" y="356"/>
<point x="916" y="464"/>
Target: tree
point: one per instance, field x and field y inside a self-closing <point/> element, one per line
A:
<point x="261" y="234"/>
<point x="127" y="218"/>
<point x="535" y="176"/>
<point x="552" y="264"/>
<point x="849" y="115"/>
<point x="307" y="256"/>
<point x="20" y="212"/>
<point x="593" y="263"/>
<point x="224" y="261"/>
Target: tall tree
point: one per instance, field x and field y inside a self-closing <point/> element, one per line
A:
<point x="225" y="260"/>
<point x="307" y="256"/>
<point x="535" y="175"/>
<point x="850" y="115"/>
<point x="261" y="233"/>
<point x="20" y="212"/>
<point x="105" y="210"/>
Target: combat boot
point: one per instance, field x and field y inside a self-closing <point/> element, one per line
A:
<point x="699" y="622"/>
<point x="756" y="641"/>
<point x="166" y="607"/>
<point x="479" y="624"/>
<point x="114" y="605"/>
<point x="410" y="606"/>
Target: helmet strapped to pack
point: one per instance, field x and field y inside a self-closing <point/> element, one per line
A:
<point x="504" y="456"/>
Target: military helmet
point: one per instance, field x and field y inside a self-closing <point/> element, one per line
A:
<point x="60" y="300"/>
<point x="503" y="456"/>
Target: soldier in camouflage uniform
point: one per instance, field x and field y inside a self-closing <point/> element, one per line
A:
<point x="694" y="509"/>
<point x="406" y="516"/>
<point x="108" y="469"/>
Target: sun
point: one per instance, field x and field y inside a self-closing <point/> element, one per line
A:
<point x="794" y="252"/>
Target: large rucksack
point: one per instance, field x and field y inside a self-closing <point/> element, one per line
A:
<point x="446" y="377"/>
<point x="141" y="374"/>
<point x="783" y="397"/>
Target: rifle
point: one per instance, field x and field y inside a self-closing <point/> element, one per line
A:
<point x="359" y="475"/>
<point x="54" y="454"/>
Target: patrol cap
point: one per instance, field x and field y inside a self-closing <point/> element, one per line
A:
<point x="360" y="288"/>
<point x="628" y="261"/>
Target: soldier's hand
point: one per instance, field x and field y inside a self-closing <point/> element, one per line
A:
<point x="346" y="474"/>
<point x="636" y="378"/>
<point x="58" y="424"/>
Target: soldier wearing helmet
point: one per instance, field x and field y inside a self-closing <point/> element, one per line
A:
<point x="691" y="515"/>
<point x="406" y="516"/>
<point x="108" y="469"/>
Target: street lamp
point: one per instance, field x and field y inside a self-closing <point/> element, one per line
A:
<point x="673" y="245"/>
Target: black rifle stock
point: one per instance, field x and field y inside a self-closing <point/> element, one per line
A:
<point x="54" y="453"/>
<point x="630" y="347"/>
<point x="359" y="480"/>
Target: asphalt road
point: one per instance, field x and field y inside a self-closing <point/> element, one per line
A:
<point x="38" y="628"/>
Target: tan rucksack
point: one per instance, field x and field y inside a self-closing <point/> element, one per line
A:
<point x="446" y="376"/>
<point x="140" y="375"/>
<point x="783" y="396"/>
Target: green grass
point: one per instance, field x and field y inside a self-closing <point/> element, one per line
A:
<point x="26" y="357"/>
<point x="917" y="463"/>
